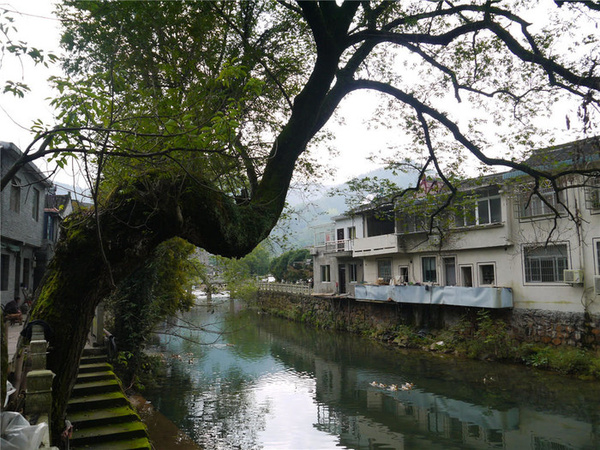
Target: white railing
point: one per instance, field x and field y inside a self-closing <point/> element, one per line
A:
<point x="290" y="288"/>
<point x="342" y="245"/>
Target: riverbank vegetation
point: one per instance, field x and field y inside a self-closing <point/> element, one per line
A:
<point x="490" y="339"/>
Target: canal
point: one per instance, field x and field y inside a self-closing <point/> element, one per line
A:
<point x="259" y="382"/>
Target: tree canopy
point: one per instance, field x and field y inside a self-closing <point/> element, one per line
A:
<point x="193" y="117"/>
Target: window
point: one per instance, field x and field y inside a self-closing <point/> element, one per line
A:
<point x="484" y="208"/>
<point x="450" y="271"/>
<point x="35" y="207"/>
<point x="381" y="222"/>
<point x="384" y="270"/>
<point x="532" y="205"/>
<point x="598" y="257"/>
<point x="403" y="274"/>
<point x="326" y="273"/>
<point x="466" y="276"/>
<point x="5" y="266"/>
<point x="340" y="239"/>
<point x="26" y="272"/>
<point x="487" y="274"/>
<point x="411" y="223"/>
<point x="429" y="269"/>
<point x="592" y="194"/>
<point x="48" y="226"/>
<point x="353" y="269"/>
<point x="545" y="264"/>
<point x="15" y="195"/>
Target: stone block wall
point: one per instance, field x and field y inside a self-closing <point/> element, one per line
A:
<point x="526" y="325"/>
<point x="555" y="327"/>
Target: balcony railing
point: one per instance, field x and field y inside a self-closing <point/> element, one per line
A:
<point x="342" y="245"/>
<point x="482" y="297"/>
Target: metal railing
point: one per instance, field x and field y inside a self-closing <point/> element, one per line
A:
<point x="342" y="245"/>
<point x="290" y="288"/>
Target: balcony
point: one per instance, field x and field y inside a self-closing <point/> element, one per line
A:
<point x="375" y="245"/>
<point x="480" y="297"/>
<point x="342" y="245"/>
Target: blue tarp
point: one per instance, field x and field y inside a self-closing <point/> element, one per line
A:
<point x="482" y="297"/>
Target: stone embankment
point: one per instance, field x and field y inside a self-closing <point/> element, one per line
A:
<point x="525" y="325"/>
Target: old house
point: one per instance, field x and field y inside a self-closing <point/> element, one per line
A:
<point x="22" y="226"/>
<point x="502" y="243"/>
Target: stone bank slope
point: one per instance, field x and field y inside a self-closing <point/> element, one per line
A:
<point x="101" y="415"/>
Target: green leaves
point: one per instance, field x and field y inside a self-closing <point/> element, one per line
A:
<point x="11" y="49"/>
<point x="16" y="88"/>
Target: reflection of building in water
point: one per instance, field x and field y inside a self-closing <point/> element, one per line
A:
<point x="418" y="419"/>
<point x="357" y="431"/>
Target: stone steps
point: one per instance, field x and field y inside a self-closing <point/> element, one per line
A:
<point x="95" y="367"/>
<point x="96" y="417"/>
<point x="108" y="433"/>
<point x="81" y="389"/>
<point x="94" y="376"/>
<point x="99" y="401"/>
<point x="101" y="415"/>
<point x="130" y="444"/>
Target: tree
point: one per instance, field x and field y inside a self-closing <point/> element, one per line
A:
<point x="194" y="116"/>
<point x="240" y="274"/>
<point x="291" y="265"/>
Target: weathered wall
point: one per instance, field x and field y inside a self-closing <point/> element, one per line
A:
<point x="557" y="328"/>
<point x="546" y="327"/>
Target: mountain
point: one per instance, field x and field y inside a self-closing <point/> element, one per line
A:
<point x="317" y="205"/>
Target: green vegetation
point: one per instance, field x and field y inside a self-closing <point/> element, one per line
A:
<point x="489" y="339"/>
<point x="153" y="293"/>
<point x="292" y="266"/>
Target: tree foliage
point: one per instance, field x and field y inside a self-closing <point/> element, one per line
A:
<point x="14" y="50"/>
<point x="292" y="266"/>
<point x="192" y="117"/>
<point x="154" y="292"/>
<point x="240" y="274"/>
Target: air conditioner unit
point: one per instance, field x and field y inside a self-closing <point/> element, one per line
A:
<point x="597" y="284"/>
<point x="573" y="276"/>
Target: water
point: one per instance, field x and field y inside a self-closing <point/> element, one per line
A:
<point x="260" y="382"/>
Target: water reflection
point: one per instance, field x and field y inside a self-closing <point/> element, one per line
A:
<point x="268" y="383"/>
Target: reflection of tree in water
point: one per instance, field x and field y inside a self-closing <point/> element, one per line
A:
<point x="248" y="341"/>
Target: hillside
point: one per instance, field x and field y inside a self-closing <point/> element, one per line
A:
<point x="317" y="205"/>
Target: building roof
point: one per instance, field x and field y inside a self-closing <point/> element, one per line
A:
<point x="57" y="203"/>
<point x="29" y="168"/>
<point x="572" y="153"/>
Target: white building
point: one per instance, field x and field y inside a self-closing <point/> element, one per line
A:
<point x="501" y="244"/>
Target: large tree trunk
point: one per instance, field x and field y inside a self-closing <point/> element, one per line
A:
<point x="99" y="249"/>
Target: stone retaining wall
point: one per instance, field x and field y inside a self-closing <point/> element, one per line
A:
<point x="554" y="327"/>
<point x="527" y="325"/>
